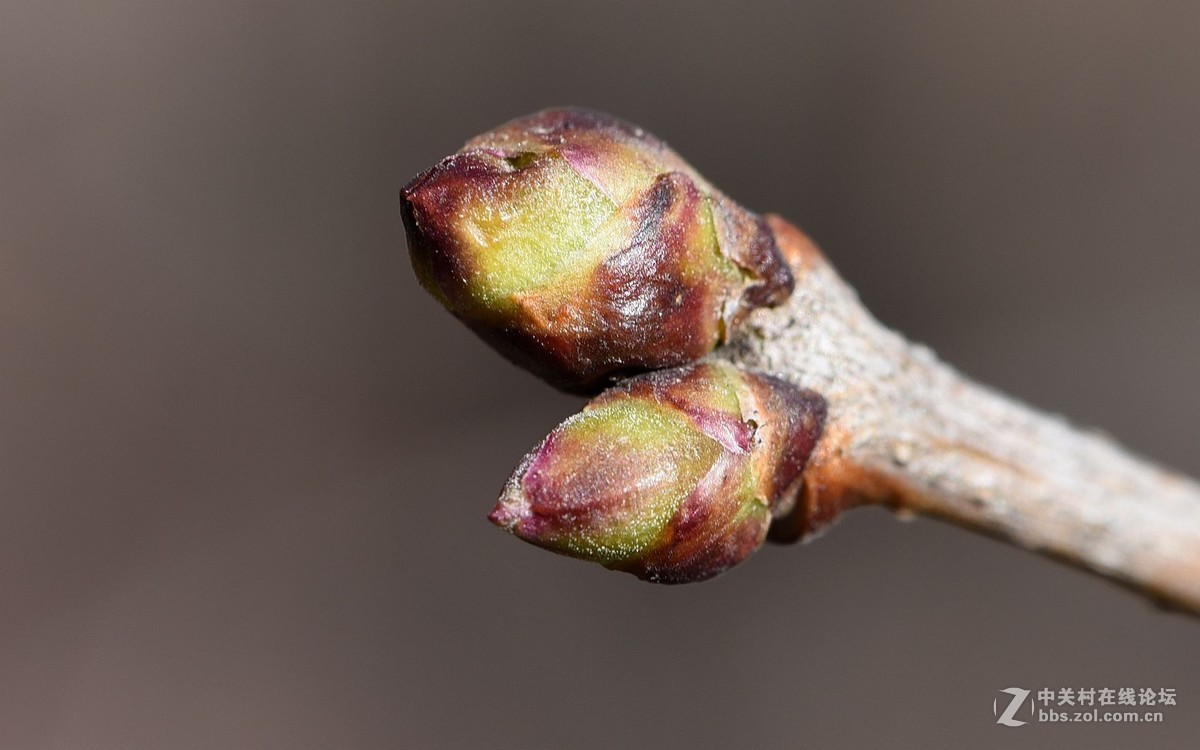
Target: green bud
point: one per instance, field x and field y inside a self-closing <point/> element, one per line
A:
<point x="584" y="249"/>
<point x="673" y="476"/>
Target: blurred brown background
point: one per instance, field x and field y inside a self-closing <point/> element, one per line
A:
<point x="245" y="461"/>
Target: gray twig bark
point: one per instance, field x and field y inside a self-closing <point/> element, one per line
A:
<point x="907" y="431"/>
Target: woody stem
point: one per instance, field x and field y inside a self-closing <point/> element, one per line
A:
<point x="907" y="431"/>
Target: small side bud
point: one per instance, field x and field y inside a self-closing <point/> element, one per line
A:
<point x="673" y="476"/>
<point x="584" y="249"/>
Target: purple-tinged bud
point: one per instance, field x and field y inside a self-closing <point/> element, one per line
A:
<point x="673" y="476"/>
<point x="584" y="249"/>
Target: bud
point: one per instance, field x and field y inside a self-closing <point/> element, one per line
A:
<point x="584" y="249"/>
<point x="673" y="476"/>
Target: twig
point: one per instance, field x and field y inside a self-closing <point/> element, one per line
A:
<point x="584" y="249"/>
<point x="907" y="431"/>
